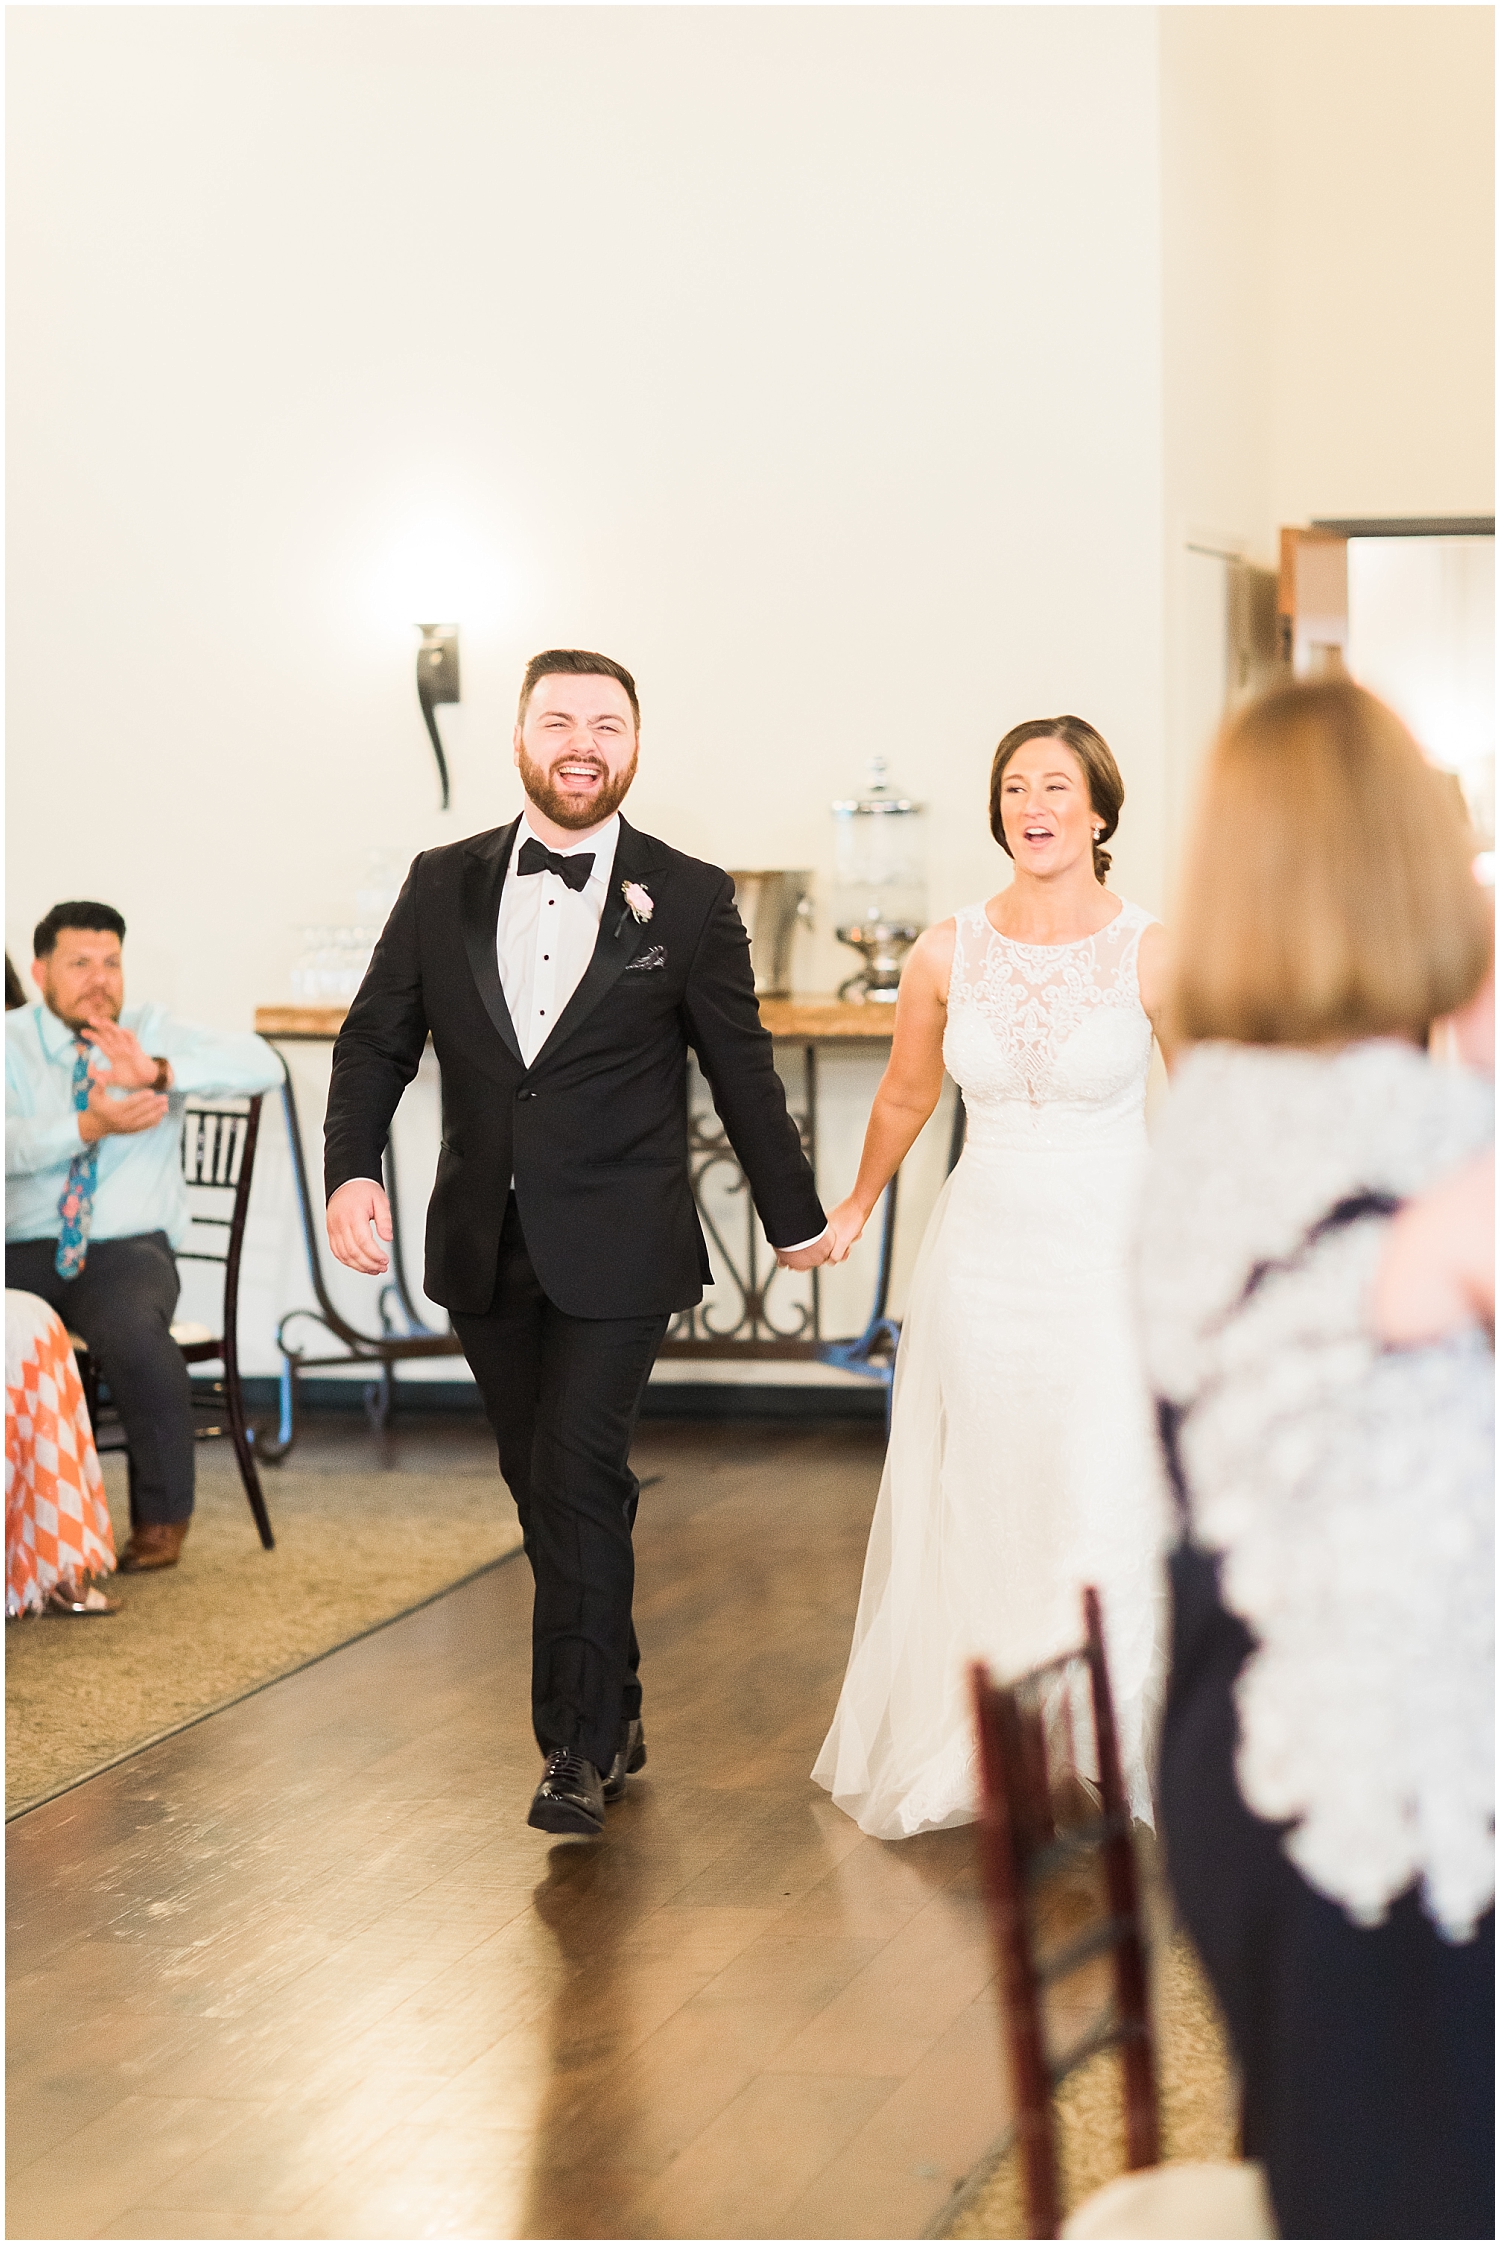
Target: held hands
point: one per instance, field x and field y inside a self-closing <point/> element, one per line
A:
<point x="351" y="1212"/>
<point x="844" y="1227"/>
<point x="833" y="1242"/>
<point x="805" y="1258"/>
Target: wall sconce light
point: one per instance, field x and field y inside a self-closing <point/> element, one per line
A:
<point x="437" y="681"/>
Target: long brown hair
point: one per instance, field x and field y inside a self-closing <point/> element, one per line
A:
<point x="1106" y="788"/>
<point x="1328" y="892"/>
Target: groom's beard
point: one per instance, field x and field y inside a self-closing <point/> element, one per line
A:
<point x="576" y="811"/>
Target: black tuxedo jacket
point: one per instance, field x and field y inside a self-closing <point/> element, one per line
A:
<point x="595" y="1131"/>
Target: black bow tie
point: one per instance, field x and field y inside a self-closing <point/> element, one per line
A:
<point x="535" y="857"/>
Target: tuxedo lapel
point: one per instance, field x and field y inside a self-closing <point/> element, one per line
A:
<point x="619" y="938"/>
<point x="484" y="876"/>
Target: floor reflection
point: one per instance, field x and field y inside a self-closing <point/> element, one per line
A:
<point x="304" y="1971"/>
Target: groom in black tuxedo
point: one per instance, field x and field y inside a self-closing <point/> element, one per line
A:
<point x="563" y="965"/>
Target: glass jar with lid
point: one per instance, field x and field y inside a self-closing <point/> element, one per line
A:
<point x="880" y="882"/>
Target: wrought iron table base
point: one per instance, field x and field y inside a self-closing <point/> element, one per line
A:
<point x="383" y="1350"/>
<point x="753" y="1336"/>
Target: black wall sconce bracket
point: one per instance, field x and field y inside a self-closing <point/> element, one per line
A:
<point x="437" y="681"/>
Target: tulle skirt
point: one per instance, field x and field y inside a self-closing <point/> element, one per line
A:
<point x="1022" y="1465"/>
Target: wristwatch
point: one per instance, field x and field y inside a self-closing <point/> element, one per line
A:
<point x="163" y="1072"/>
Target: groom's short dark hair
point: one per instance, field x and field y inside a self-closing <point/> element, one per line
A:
<point x="579" y="664"/>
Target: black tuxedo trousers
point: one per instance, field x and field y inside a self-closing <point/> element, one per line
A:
<point x="562" y="1235"/>
<point x="562" y="1394"/>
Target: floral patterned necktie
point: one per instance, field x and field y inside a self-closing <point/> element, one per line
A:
<point x="76" y="1208"/>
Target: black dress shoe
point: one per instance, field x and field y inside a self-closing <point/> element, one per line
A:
<point x="630" y="1756"/>
<point x="570" y="1797"/>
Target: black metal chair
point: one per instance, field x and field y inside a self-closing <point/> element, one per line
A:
<point x="218" y="1159"/>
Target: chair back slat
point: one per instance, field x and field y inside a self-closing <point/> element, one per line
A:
<point x="213" y="1144"/>
<point x="1028" y="1762"/>
<point x="217" y="1162"/>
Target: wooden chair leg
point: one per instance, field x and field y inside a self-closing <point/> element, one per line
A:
<point x="1132" y="2000"/>
<point x="239" y="1434"/>
<point x="88" y="1373"/>
<point x="1031" y="2082"/>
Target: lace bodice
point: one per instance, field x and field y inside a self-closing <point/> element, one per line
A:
<point x="1049" y="1044"/>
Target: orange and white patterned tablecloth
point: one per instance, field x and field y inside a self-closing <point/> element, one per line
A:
<point x="56" y="1519"/>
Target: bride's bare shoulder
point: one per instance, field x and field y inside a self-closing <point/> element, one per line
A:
<point x="932" y="954"/>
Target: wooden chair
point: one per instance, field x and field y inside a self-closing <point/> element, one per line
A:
<point x="218" y="1159"/>
<point x="1039" y="1818"/>
<point x="1022" y="1844"/>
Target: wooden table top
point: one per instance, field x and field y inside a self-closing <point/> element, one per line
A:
<point x="803" y="1019"/>
<point x="826" y="1017"/>
<point x="299" y="1021"/>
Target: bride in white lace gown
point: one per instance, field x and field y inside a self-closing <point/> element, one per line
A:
<point x="1022" y="1460"/>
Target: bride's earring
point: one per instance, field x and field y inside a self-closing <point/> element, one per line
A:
<point x="1098" y="834"/>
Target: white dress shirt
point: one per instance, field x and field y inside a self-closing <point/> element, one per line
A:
<point x="546" y="933"/>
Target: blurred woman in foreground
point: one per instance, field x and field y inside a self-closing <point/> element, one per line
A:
<point x="1327" y="1777"/>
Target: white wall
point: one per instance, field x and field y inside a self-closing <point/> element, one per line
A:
<point x="1218" y="245"/>
<point x="1380" y="153"/>
<point x="855" y="374"/>
<point x="764" y="348"/>
<point x="1328" y="292"/>
<point x="1328" y="249"/>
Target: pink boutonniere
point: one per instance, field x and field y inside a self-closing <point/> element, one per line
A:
<point x="641" y="906"/>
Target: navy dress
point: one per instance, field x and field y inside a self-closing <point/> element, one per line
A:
<point x="1367" y="2057"/>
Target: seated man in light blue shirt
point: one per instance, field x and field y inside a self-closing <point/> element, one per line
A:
<point x="94" y="1196"/>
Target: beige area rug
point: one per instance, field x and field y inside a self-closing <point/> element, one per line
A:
<point x="366" y="1528"/>
<point x="1198" y="2106"/>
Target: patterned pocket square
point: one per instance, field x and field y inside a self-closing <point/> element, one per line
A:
<point x="650" y="961"/>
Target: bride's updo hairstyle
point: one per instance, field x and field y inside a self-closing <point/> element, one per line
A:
<point x="1328" y="890"/>
<point x="1106" y="788"/>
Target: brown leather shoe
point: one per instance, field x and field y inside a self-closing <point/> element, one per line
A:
<point x="157" y="1545"/>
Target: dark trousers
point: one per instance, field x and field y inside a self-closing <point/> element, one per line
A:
<point x="561" y="1394"/>
<point x="1367" y="2054"/>
<point x="122" y="1303"/>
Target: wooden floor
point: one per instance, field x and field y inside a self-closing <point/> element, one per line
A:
<point x="303" y="1971"/>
